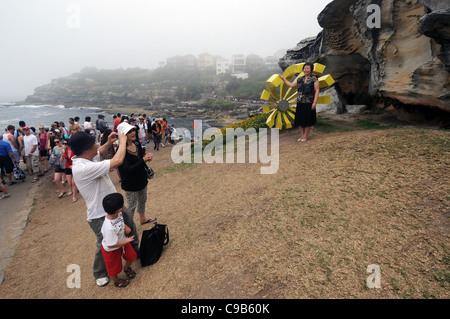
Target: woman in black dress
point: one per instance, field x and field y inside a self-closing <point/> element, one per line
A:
<point x="133" y="174"/>
<point x="308" y="93"/>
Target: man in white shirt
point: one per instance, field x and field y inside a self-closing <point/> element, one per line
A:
<point x="142" y="130"/>
<point x="92" y="179"/>
<point x="30" y="145"/>
<point x="9" y="137"/>
<point x="89" y="126"/>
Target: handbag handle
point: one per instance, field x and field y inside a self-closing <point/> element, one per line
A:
<point x="166" y="234"/>
<point x="166" y="239"/>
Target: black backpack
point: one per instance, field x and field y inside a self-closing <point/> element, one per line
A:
<point x="152" y="243"/>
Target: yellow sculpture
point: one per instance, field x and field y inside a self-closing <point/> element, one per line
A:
<point x="284" y="100"/>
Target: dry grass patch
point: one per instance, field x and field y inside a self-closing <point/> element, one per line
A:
<point x="344" y="200"/>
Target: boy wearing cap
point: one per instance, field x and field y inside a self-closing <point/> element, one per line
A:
<point x="92" y="179"/>
<point x="115" y="244"/>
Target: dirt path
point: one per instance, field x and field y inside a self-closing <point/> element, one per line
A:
<point x="340" y="202"/>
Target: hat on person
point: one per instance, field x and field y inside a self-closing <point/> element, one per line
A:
<point x="124" y="128"/>
<point x="26" y="128"/>
<point x="80" y="142"/>
<point x="112" y="202"/>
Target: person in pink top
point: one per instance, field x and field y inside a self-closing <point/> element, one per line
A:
<point x="43" y="147"/>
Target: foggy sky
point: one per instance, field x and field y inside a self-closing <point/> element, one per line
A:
<point x="41" y="40"/>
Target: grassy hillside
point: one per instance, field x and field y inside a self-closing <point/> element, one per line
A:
<point x="360" y="195"/>
<point x="356" y="194"/>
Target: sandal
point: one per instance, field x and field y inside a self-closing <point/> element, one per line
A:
<point x="151" y="220"/>
<point x="62" y="194"/>
<point x="121" y="283"/>
<point x="74" y="200"/>
<point x="35" y="180"/>
<point x="130" y="273"/>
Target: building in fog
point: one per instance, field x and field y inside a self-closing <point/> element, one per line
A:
<point x="206" y="61"/>
<point x="271" y="63"/>
<point x="222" y="65"/>
<point x="184" y="63"/>
<point x="238" y="67"/>
<point x="254" y="63"/>
<point x="238" y="64"/>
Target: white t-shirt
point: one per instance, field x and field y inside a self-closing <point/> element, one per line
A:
<point x="142" y="128"/>
<point x="113" y="231"/>
<point x="28" y="142"/>
<point x="93" y="182"/>
<point x="6" y="139"/>
<point x="88" y="125"/>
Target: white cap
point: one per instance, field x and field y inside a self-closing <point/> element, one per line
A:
<point x="124" y="128"/>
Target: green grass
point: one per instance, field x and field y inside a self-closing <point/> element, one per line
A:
<point x="370" y="125"/>
<point x="327" y="125"/>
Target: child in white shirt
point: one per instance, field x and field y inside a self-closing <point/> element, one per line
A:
<point x="115" y="244"/>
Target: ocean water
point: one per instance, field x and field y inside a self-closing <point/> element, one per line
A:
<point x="35" y="115"/>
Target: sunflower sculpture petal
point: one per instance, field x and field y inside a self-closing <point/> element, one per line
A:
<point x="283" y="99"/>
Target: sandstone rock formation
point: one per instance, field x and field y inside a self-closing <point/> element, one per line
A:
<point x="406" y="59"/>
<point x="436" y="25"/>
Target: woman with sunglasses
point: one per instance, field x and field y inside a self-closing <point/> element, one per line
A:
<point x="57" y="153"/>
<point x="133" y="174"/>
<point x="67" y="155"/>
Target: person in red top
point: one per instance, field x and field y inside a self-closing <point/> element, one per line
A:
<point x="68" y="154"/>
<point x="117" y="121"/>
<point x="163" y="124"/>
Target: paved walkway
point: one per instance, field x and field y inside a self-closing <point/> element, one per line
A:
<point x="14" y="213"/>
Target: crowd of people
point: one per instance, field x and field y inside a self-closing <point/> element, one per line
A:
<point x="82" y="156"/>
<point x="46" y="148"/>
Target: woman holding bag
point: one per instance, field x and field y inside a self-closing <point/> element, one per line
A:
<point x="133" y="174"/>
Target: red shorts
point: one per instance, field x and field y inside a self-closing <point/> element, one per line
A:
<point x="113" y="259"/>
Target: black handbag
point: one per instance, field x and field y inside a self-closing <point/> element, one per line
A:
<point x="149" y="171"/>
<point x="152" y="244"/>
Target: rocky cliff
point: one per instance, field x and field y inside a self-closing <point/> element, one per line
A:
<point x="405" y="58"/>
<point x="111" y="91"/>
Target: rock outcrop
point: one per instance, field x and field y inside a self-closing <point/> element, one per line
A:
<point x="79" y="90"/>
<point x="405" y="59"/>
<point x="436" y="25"/>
